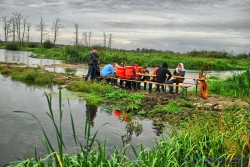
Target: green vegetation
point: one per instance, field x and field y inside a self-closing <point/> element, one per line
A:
<point x="12" y="46"/>
<point x="211" y="139"/>
<point x="48" y="44"/>
<point x="238" y="85"/>
<point x="113" y="96"/>
<point x="31" y="76"/>
<point x="197" y="60"/>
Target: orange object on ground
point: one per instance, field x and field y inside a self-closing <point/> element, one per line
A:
<point x="203" y="85"/>
<point x="203" y="89"/>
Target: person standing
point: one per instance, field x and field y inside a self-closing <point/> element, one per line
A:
<point x="93" y="61"/>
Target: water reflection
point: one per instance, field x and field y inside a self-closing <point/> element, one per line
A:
<point x="23" y="57"/>
<point x="91" y="112"/>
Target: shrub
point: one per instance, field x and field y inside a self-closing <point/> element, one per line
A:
<point x="32" y="45"/>
<point x="48" y="44"/>
<point x="12" y="46"/>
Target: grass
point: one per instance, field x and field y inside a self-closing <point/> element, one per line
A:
<point x="237" y="86"/>
<point x="95" y="93"/>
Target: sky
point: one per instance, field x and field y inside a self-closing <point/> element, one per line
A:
<point x="176" y="25"/>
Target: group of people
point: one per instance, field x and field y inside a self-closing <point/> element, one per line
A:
<point x="161" y="74"/>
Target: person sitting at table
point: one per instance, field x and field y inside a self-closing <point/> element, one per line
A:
<point x="120" y="73"/>
<point x="145" y="78"/>
<point x="138" y="69"/>
<point x="162" y="78"/>
<point x="108" y="70"/>
<point x="153" y="79"/>
<point x="178" y="72"/>
<point x="130" y="75"/>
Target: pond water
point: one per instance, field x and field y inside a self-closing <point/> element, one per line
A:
<point x="23" y="57"/>
<point x="20" y="133"/>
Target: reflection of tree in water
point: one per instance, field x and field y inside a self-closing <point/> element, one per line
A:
<point x="132" y="127"/>
<point x="91" y="110"/>
<point x="158" y="126"/>
<point x="70" y="70"/>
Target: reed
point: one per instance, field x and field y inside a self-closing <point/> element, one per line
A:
<point x="238" y="85"/>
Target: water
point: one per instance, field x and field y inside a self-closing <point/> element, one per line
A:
<point x="20" y="133"/>
<point x="23" y="57"/>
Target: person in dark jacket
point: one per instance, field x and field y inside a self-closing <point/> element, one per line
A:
<point x="161" y="76"/>
<point x="93" y="61"/>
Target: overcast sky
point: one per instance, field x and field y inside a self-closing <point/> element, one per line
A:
<point x="177" y="25"/>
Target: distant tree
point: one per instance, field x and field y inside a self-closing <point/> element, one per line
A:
<point x="89" y="37"/>
<point x="24" y="27"/>
<point x="28" y="32"/>
<point x="104" y="39"/>
<point x="110" y="41"/>
<point x="76" y="33"/>
<point x="6" y="26"/>
<point x="85" y="38"/>
<point x="41" y="27"/>
<point x="16" y="25"/>
<point x="57" y="24"/>
<point x="13" y="31"/>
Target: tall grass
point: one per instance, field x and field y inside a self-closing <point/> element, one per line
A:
<point x="238" y="85"/>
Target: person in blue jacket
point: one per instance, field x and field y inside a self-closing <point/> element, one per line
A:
<point x="108" y="70"/>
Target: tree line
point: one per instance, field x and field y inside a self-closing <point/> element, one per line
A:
<point x="17" y="29"/>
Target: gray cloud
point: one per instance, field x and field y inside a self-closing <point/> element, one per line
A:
<point x="179" y="25"/>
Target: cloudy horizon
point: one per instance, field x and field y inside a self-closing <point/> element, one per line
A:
<point x="176" y="25"/>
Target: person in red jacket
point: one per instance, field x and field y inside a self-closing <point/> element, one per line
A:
<point x="138" y="69"/>
<point x="153" y="79"/>
<point x="130" y="74"/>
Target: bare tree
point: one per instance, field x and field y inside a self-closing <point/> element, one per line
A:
<point x="110" y="41"/>
<point x="104" y="39"/>
<point x="16" y="25"/>
<point x="6" y="27"/>
<point x="89" y="37"/>
<point x="12" y="20"/>
<point x="24" y="27"/>
<point x="55" y="28"/>
<point x="85" y="38"/>
<point x="41" y="26"/>
<point x="76" y="33"/>
<point x="28" y="32"/>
